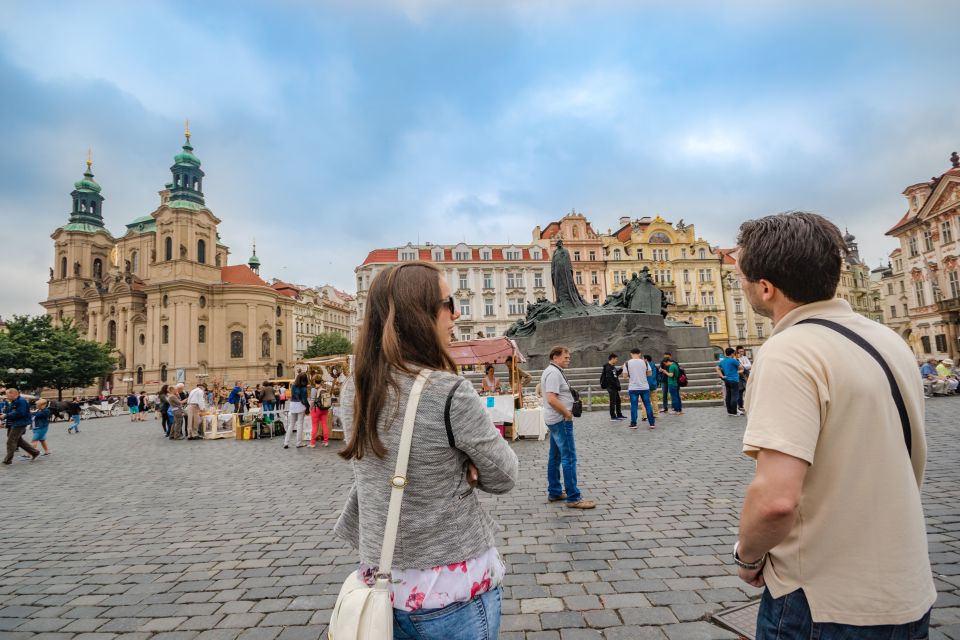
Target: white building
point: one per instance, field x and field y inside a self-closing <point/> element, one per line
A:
<point x="491" y="284"/>
<point x="323" y="309"/>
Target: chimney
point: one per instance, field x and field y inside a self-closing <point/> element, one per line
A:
<point x="624" y="221"/>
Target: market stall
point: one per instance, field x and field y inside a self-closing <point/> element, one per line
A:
<point x="333" y="371"/>
<point x="506" y="407"/>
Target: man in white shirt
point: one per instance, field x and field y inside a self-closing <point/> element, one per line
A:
<point x="637" y="371"/>
<point x="196" y="401"/>
<point x="746" y="364"/>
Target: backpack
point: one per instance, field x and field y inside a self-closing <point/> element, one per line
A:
<point x="603" y="377"/>
<point x="682" y="380"/>
<point x="323" y="400"/>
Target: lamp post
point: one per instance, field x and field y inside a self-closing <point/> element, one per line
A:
<point x="129" y="381"/>
<point x="17" y="375"/>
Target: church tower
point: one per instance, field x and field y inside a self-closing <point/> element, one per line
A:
<point x="187" y="176"/>
<point x="254" y="261"/>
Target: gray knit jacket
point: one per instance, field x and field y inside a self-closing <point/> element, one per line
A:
<point x="441" y="519"/>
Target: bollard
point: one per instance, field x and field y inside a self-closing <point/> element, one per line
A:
<point x="589" y="398"/>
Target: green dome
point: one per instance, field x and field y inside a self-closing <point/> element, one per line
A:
<point x="187" y="157"/>
<point x="253" y="259"/>
<point x="87" y="184"/>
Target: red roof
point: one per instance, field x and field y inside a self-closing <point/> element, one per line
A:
<point x="240" y="274"/>
<point x="550" y="230"/>
<point x="899" y="224"/>
<point x="286" y="289"/>
<point x="726" y="256"/>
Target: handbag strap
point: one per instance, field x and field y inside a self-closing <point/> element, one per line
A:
<point x="399" y="480"/>
<point x="891" y="380"/>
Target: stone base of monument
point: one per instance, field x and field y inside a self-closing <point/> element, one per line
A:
<point x="692" y="343"/>
<point x="592" y="338"/>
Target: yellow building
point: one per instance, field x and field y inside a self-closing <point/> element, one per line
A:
<point x="684" y="266"/>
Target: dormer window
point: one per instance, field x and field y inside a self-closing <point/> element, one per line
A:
<point x="408" y="255"/>
<point x="535" y="254"/>
<point x="486" y="254"/>
<point x="512" y="254"/>
<point x="438" y="255"/>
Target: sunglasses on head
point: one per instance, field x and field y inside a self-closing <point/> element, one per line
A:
<point x="449" y="304"/>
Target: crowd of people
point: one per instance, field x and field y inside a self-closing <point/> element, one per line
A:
<point x="940" y="377"/>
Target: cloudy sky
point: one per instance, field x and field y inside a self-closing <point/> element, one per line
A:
<point x="327" y="129"/>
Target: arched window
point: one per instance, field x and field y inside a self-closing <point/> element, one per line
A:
<point x="165" y="334"/>
<point x="202" y="334"/>
<point x="83" y="205"/>
<point x="163" y="373"/>
<point x="703" y="254"/>
<point x="202" y="251"/>
<point x="236" y="344"/>
<point x="97" y="269"/>
<point x="710" y="322"/>
<point x="279" y="337"/>
<point x="265" y="345"/>
<point x="134" y="261"/>
<point x="139" y="375"/>
<point x="63" y="266"/>
<point x="279" y="369"/>
<point x="112" y="333"/>
<point x="168" y="248"/>
<point x="218" y="260"/>
<point x="196" y="184"/>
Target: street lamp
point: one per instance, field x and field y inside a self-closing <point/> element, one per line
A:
<point x="18" y="373"/>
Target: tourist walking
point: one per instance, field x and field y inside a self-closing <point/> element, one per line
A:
<point x="558" y="414"/>
<point x="446" y="572"/>
<point x="832" y="524"/>
<point x="175" y="413"/>
<point x="320" y="402"/>
<point x="164" y="406"/>
<point x="17" y="419"/>
<point x="142" y="406"/>
<point x="729" y="370"/>
<point x="196" y="402"/>
<point x="282" y="397"/>
<point x="41" y="424"/>
<point x="638" y="372"/>
<point x="653" y="381"/>
<point x="133" y="406"/>
<point x="747" y="365"/>
<point x="73" y="410"/>
<point x="298" y="408"/>
<point x="610" y="380"/>
<point x="670" y="371"/>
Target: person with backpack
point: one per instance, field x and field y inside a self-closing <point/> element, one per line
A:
<point x="74" y="410"/>
<point x="672" y="372"/>
<point x="653" y="379"/>
<point x="638" y="372"/>
<point x="321" y="399"/>
<point x="610" y="380"/>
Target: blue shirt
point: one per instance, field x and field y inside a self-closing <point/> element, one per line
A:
<point x="18" y="413"/>
<point x="730" y="368"/>
<point x="234" y="397"/>
<point x="41" y="419"/>
<point x="927" y="370"/>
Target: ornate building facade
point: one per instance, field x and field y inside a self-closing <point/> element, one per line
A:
<point x="929" y="254"/>
<point x="323" y="309"/>
<point x="491" y="284"/>
<point x="685" y="267"/>
<point x="163" y="294"/>
<point x="586" y="253"/>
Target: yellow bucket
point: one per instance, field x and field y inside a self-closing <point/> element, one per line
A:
<point x="247" y="433"/>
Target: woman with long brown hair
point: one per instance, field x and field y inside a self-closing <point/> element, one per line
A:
<point x="446" y="569"/>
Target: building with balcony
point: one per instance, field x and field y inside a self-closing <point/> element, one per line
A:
<point x="491" y="284"/>
<point x="929" y="252"/>
<point x="857" y="285"/>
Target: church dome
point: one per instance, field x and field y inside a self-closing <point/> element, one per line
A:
<point x="187" y="157"/>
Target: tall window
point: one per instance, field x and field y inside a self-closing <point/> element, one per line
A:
<point x="593" y="255"/>
<point x="617" y="255"/>
<point x="134" y="261"/>
<point x="514" y="280"/>
<point x="686" y="276"/>
<point x="517" y="306"/>
<point x="703" y="254"/>
<point x="941" y="341"/>
<point x="594" y="279"/>
<point x="893" y="311"/>
<point x="918" y="290"/>
<point x="741" y="332"/>
<point x="759" y="329"/>
<point x="952" y="278"/>
<point x="280" y="337"/>
<point x="112" y="333"/>
<point x="538" y="279"/>
<point x="488" y="281"/>
<point x="202" y="334"/>
<point x="946" y="232"/>
<point x="912" y="246"/>
<point x="927" y="240"/>
<point x="168" y="248"/>
<point x="139" y="375"/>
<point x="579" y="277"/>
<point x="925" y="342"/>
<point x="576" y="256"/>
<point x="487" y="307"/>
<point x="63" y="267"/>
<point x="486" y="254"/>
<point x="236" y="344"/>
<point x="165" y="334"/>
<point x="738" y="305"/>
<point x="97" y="269"/>
<point x="463" y="281"/>
<point x="710" y="322"/>
<point x="465" y="307"/>
<point x="202" y="251"/>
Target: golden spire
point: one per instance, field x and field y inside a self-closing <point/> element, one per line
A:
<point x="254" y="246"/>
<point x="89" y="158"/>
<point x="186" y="129"/>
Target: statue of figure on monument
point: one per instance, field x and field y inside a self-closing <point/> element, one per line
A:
<point x="638" y="294"/>
<point x="564" y="287"/>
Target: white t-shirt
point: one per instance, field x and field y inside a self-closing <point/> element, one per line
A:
<point x="552" y="381"/>
<point x="638" y="370"/>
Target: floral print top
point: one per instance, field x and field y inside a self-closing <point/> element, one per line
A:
<point x="439" y="587"/>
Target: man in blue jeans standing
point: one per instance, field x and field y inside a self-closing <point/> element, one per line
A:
<point x="557" y="413"/>
<point x="729" y="369"/>
<point x="638" y="371"/>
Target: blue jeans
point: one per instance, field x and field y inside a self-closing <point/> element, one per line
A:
<point x="563" y="452"/>
<point x="732" y="396"/>
<point x="674" y="398"/>
<point x="76" y="423"/>
<point x="477" y="619"/>
<point x="645" y="396"/>
<point x="268" y="406"/>
<point x="789" y="617"/>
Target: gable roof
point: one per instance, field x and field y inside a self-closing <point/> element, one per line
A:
<point x="240" y="274"/>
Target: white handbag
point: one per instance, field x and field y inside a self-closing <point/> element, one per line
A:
<point x="362" y="612"/>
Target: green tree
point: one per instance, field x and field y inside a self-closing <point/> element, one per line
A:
<point x="328" y="344"/>
<point x="58" y="356"/>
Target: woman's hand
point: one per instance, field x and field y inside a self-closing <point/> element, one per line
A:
<point x="473" y="476"/>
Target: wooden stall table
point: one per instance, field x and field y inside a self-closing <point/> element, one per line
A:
<point x="500" y="409"/>
<point x="529" y="423"/>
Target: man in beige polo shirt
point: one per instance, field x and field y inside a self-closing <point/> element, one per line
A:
<point x="832" y="523"/>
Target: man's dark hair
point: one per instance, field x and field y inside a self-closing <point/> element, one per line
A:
<point x="612" y="356"/>
<point x="648" y="357"/>
<point x="800" y="253"/>
<point x="740" y="346"/>
<point x="635" y="350"/>
<point x="730" y="351"/>
<point x="558" y="351"/>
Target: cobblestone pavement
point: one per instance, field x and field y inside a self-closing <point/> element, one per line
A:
<point x="123" y="534"/>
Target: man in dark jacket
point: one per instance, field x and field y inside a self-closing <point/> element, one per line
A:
<point x="17" y="416"/>
<point x="610" y="380"/>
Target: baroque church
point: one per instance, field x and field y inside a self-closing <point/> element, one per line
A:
<point x="163" y="294"/>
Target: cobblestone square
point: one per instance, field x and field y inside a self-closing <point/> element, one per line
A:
<point x="122" y="534"/>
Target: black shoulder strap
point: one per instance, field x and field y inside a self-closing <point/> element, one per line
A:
<point x="446" y="411"/>
<point x="894" y="388"/>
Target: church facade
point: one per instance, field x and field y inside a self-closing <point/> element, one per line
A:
<point x="164" y="295"/>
